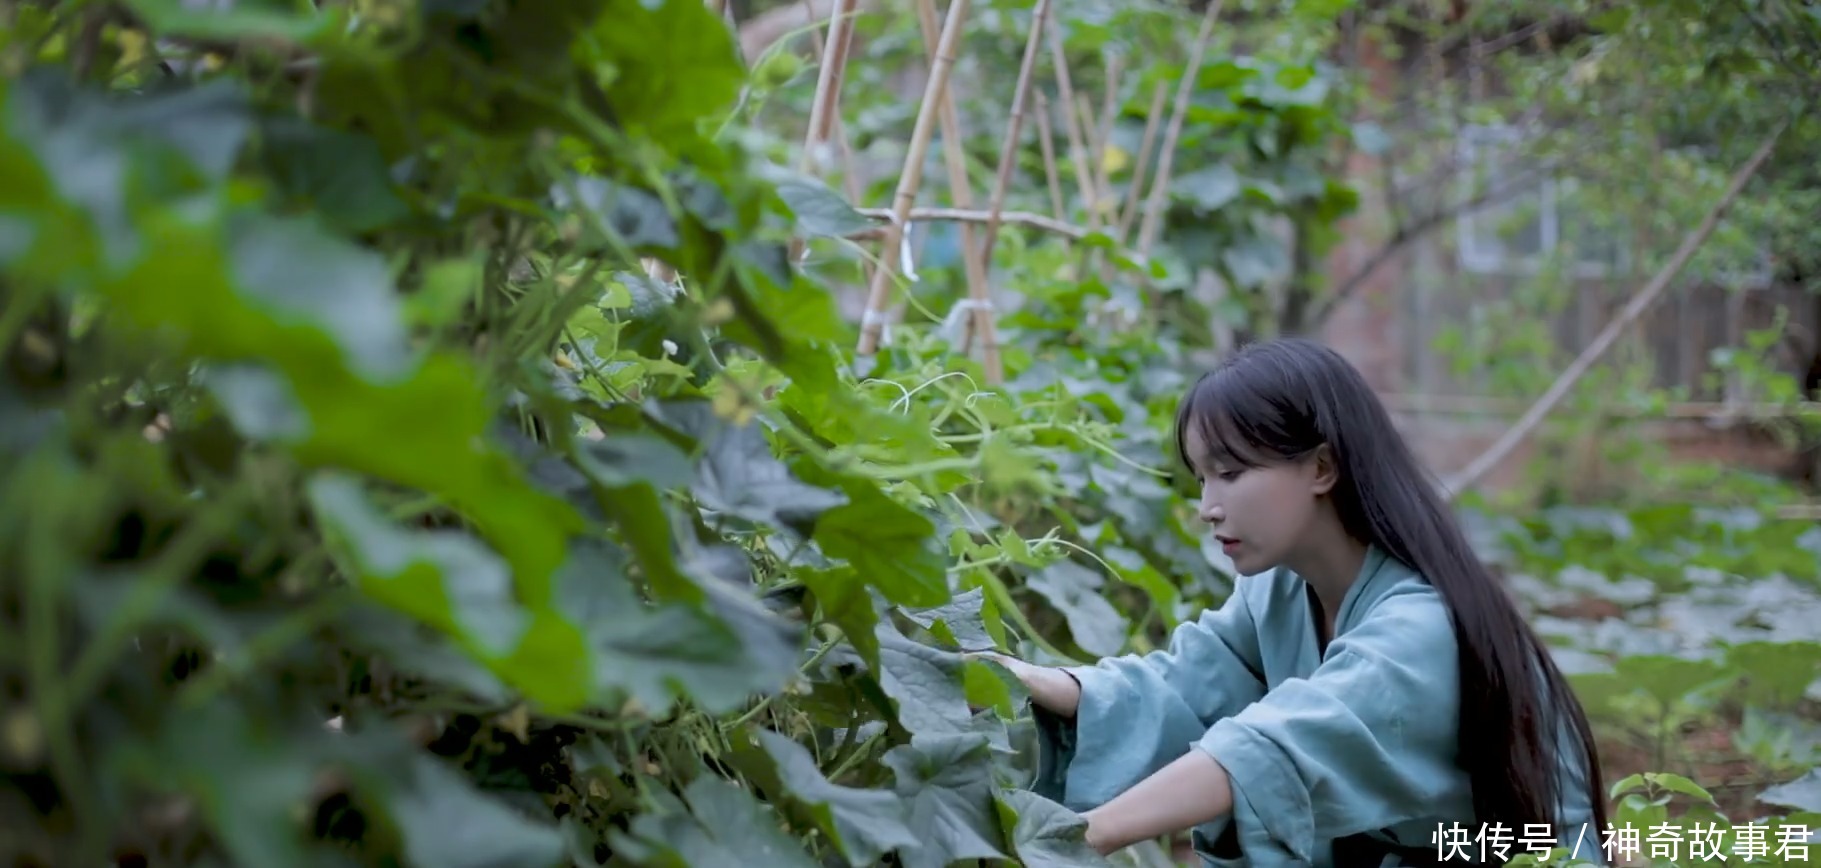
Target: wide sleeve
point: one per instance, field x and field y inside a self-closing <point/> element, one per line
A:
<point x="1140" y="712"/>
<point x="1367" y="741"/>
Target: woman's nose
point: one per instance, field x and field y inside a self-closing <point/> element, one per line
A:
<point x="1212" y="513"/>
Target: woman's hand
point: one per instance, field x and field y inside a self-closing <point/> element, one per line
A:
<point x="1053" y="689"/>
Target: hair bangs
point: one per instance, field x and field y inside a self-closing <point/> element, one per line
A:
<point x="1237" y="424"/>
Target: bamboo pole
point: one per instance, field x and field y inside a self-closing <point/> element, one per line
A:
<point x="872" y="323"/>
<point x="962" y="192"/>
<point x="1185" y="89"/>
<point x="1141" y="164"/>
<point x="1109" y="117"/>
<point x="1008" y="149"/>
<point x="1065" y="93"/>
<point x="826" y="106"/>
<point x="1046" y="143"/>
<point x="1016" y="218"/>
<point x="1640" y="301"/>
<point x="1704" y="411"/>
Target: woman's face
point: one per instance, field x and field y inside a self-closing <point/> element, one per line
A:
<point x="1259" y="515"/>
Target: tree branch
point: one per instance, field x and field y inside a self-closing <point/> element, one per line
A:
<point x="1480" y="466"/>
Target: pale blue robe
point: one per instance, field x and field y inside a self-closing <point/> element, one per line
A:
<point x="1359" y="742"/>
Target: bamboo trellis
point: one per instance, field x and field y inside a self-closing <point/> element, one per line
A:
<point x="1086" y="136"/>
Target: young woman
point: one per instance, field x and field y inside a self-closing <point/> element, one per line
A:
<point x="1367" y="696"/>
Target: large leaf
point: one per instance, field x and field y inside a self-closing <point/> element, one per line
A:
<point x="947" y="785"/>
<point x="450" y="581"/>
<point x="739" y="476"/>
<point x="446" y="821"/>
<point x="865" y="824"/>
<point x="658" y="654"/>
<point x="1045" y="834"/>
<point x="1802" y="794"/>
<point x="820" y="211"/>
<point x="648" y="46"/>
<point x="245" y="776"/>
<point x="725" y="828"/>
<point x="1075" y="591"/>
<point x="890" y="545"/>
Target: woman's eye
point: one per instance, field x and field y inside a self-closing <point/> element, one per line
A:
<point x="1229" y="475"/>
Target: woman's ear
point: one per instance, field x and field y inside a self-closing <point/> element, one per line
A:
<point x="1327" y="469"/>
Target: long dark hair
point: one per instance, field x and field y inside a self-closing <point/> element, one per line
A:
<point x="1280" y="400"/>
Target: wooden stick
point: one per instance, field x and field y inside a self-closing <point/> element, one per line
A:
<point x="1084" y="176"/>
<point x="1185" y="89"/>
<point x="850" y="173"/>
<point x="872" y="322"/>
<point x="1046" y="142"/>
<point x="1479" y="405"/>
<point x="826" y="107"/>
<point x="1480" y="466"/>
<point x="1015" y="218"/>
<point x="1008" y="150"/>
<point x="1002" y="182"/>
<point x="1142" y="163"/>
<point x="1109" y="116"/>
<point x="962" y="193"/>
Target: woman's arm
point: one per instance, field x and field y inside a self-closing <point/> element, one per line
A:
<point x="1186" y="793"/>
<point x="1053" y="689"/>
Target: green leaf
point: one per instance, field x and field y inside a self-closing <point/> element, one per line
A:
<point x="958" y="622"/>
<point x="346" y="292"/>
<point x="846" y="600"/>
<point x="890" y="545"/>
<point x="1802" y="794"/>
<point x="623" y="459"/>
<point x="739" y="476"/>
<point x="725" y="828"/>
<point x="245" y="776"/>
<point x="1678" y="784"/>
<point x="1045" y="834"/>
<point x="620" y="215"/>
<point x="646" y="45"/>
<point x="1210" y="188"/>
<point x="451" y="582"/>
<point x="1774" y="674"/>
<point x="865" y="824"/>
<point x="924" y="683"/>
<point x="716" y="656"/>
<point x="1075" y="592"/>
<point x="339" y="176"/>
<point x="1666" y="679"/>
<point x="947" y="786"/>
<point x="819" y="210"/>
<point x="445" y="820"/>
